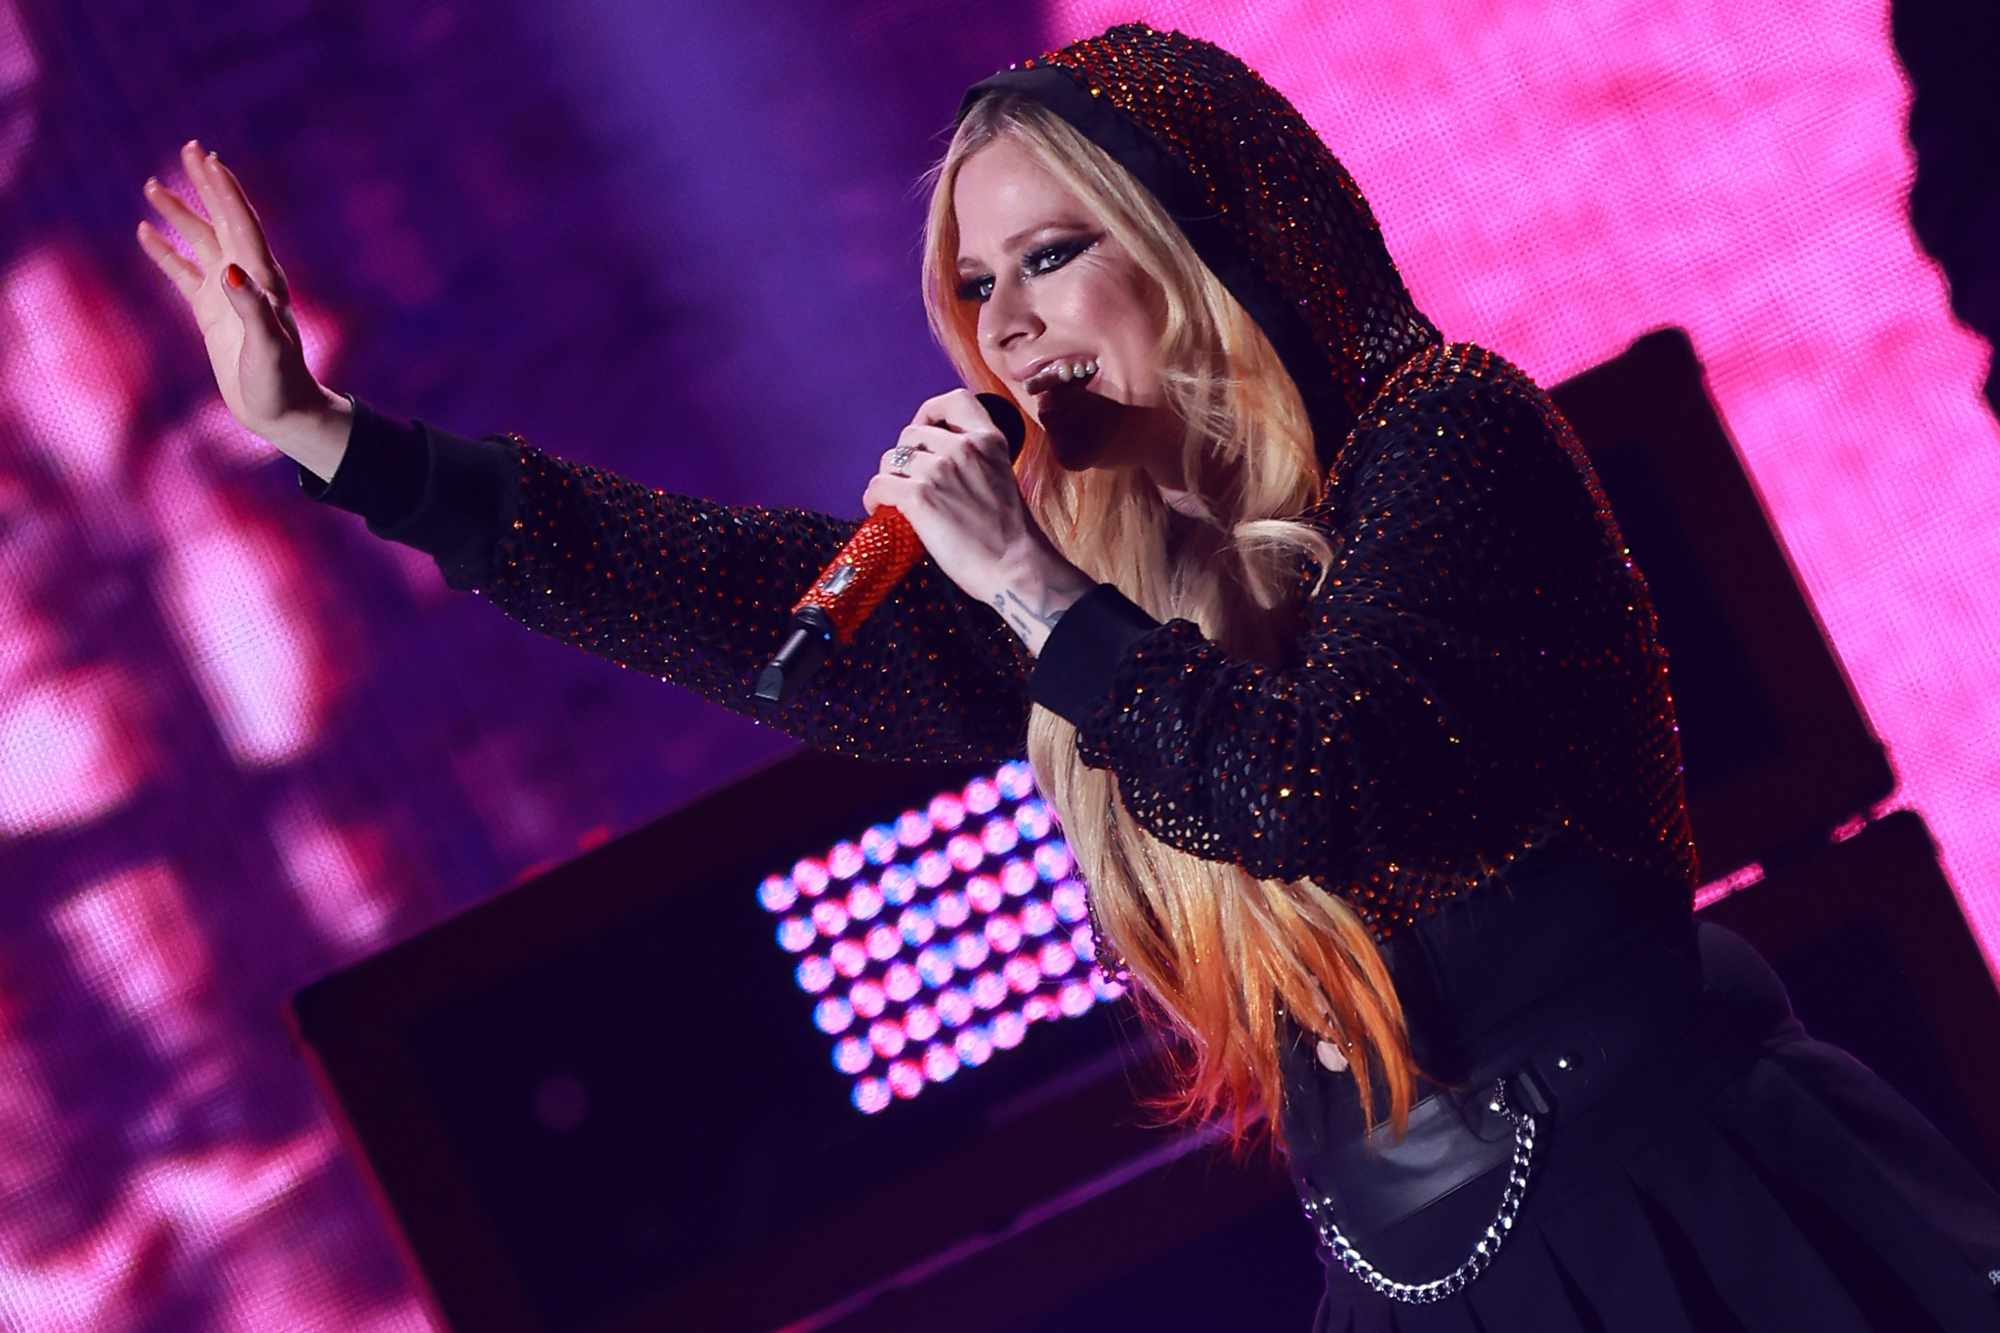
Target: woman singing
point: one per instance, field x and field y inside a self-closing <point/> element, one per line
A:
<point x="1325" y="645"/>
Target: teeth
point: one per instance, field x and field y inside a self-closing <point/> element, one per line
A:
<point x="1065" y="372"/>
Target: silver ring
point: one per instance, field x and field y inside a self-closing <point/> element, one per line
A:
<point x="900" y="458"/>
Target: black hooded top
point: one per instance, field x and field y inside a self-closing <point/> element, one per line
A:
<point x="1478" y="677"/>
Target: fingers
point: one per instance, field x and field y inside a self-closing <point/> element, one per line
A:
<point x="192" y="226"/>
<point x="232" y="229"/>
<point x="935" y="452"/>
<point x="886" y="489"/>
<point x="184" y="275"/>
<point x="905" y="466"/>
<point x="961" y="411"/>
<point x="928" y="444"/>
<point x="235" y="212"/>
<point x="261" y="326"/>
<point x="238" y="233"/>
<point x="194" y="160"/>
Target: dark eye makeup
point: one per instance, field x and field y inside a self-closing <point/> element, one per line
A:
<point x="969" y="289"/>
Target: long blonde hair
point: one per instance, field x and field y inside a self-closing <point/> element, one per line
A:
<point x="1212" y="949"/>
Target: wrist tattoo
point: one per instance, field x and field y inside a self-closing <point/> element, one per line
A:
<point x="1012" y="618"/>
<point x="1019" y="615"/>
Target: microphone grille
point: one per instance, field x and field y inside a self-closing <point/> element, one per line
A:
<point x="1007" y="419"/>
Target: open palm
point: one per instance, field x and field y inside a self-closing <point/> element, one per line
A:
<point x="249" y="331"/>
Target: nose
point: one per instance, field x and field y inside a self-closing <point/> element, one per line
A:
<point x="1009" y="312"/>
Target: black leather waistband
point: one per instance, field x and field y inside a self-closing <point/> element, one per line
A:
<point x="1638" y="1026"/>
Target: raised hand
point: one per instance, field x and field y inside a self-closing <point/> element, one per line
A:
<point x="252" y="338"/>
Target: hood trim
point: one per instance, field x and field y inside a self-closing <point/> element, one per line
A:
<point x="1335" y="384"/>
<point x="1180" y="194"/>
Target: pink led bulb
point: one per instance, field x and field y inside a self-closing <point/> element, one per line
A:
<point x="921" y="1022"/>
<point x="905" y="1079"/>
<point x="1018" y="876"/>
<point x="864" y="900"/>
<point x="939" y="1063"/>
<point x="916" y="925"/>
<point x="954" y="1006"/>
<point x="983" y="892"/>
<point x="833" y="1015"/>
<point x="1021" y="973"/>
<point x="849" y="958"/>
<point x="845" y="860"/>
<point x="1067" y="898"/>
<point x="972" y="1047"/>
<point x="1008" y="1029"/>
<point x="1033" y="819"/>
<point x="868" y="999"/>
<point x="964" y="852"/>
<point x="951" y="908"/>
<point x="901" y="981"/>
<point x="777" y="893"/>
<point x="999" y="836"/>
<point x="887" y="1037"/>
<point x="1016" y="779"/>
<point x="969" y="950"/>
<point x="851" y="1055"/>
<point x="981" y="795"/>
<point x="988" y="990"/>
<point x="809" y="877"/>
<point x="912" y="829"/>
<point x="871" y="1095"/>
<point x="1003" y="932"/>
<point x="946" y="811"/>
<point x="829" y="917"/>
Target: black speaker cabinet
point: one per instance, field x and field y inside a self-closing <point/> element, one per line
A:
<point x="1877" y="958"/>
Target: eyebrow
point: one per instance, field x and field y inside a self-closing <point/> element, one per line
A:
<point x="965" y="262"/>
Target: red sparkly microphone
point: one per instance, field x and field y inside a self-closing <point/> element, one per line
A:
<point x="856" y="580"/>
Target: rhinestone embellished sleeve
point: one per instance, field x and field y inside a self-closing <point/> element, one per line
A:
<point x="694" y="592"/>
<point x="1480" y="672"/>
<point x="700" y="594"/>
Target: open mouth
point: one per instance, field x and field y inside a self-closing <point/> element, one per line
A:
<point x="1059" y="376"/>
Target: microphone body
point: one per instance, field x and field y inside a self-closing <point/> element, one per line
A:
<point x="865" y="570"/>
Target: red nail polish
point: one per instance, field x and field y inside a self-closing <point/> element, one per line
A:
<point x="233" y="275"/>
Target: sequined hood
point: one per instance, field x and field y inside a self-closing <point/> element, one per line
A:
<point x="1261" y="198"/>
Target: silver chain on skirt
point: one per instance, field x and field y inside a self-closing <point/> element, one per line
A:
<point x="1319" y="1211"/>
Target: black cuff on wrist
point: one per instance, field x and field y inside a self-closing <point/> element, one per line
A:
<point x="1072" y="674"/>
<point x="444" y="494"/>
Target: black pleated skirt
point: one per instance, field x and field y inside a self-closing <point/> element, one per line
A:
<point x="1767" y="1181"/>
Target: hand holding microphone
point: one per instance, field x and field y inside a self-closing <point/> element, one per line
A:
<point x="947" y="488"/>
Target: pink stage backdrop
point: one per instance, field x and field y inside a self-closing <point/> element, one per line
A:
<point x="1555" y="180"/>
